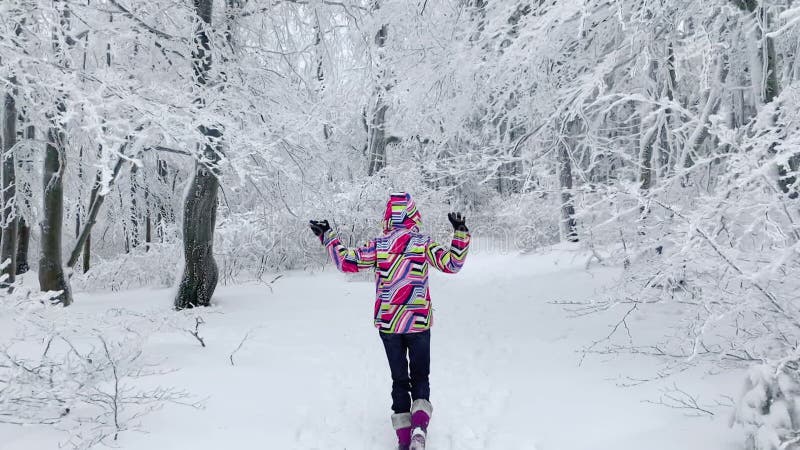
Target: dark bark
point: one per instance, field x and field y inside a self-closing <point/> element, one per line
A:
<point x="772" y="87"/>
<point x="8" y="242"/>
<point x="9" y="214"/>
<point x="125" y="231"/>
<point x="199" y="218"/>
<point x="24" y="238"/>
<point x="787" y="176"/>
<point x="87" y="253"/>
<point x="90" y="221"/>
<point x="24" y="228"/>
<point x="148" y="220"/>
<point x="51" y="271"/>
<point x="134" y="234"/>
<point x="747" y="5"/>
<point x="163" y="213"/>
<point x="200" y="273"/>
<point x="148" y="230"/>
<point x="568" y="222"/>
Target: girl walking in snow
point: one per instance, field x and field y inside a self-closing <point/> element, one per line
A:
<point x="400" y="258"/>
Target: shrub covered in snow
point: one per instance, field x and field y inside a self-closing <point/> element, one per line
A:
<point x="769" y="406"/>
<point x="156" y="265"/>
<point x="85" y="374"/>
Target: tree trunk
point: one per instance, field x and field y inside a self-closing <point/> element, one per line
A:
<point x="326" y="128"/>
<point x="668" y="148"/>
<point x="135" y="241"/>
<point x="24" y="238"/>
<point x="84" y="240"/>
<point x="770" y="88"/>
<point x="8" y="243"/>
<point x="148" y="219"/>
<point x="90" y="220"/>
<point x="648" y="131"/>
<point x="162" y="215"/>
<point x="81" y="184"/>
<point x="377" y="139"/>
<point x="568" y="223"/>
<point x="87" y="253"/>
<point x="200" y="273"/>
<point x="24" y="228"/>
<point x="713" y="102"/>
<point x="786" y="172"/>
<point x="51" y="271"/>
<point x="98" y="196"/>
<point x="648" y="138"/>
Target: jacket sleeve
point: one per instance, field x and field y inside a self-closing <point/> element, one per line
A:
<point x="449" y="260"/>
<point x="349" y="259"/>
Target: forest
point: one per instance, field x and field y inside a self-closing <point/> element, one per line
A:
<point x="184" y="145"/>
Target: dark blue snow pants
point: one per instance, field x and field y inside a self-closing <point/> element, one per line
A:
<point x="410" y="363"/>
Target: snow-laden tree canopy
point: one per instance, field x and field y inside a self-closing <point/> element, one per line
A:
<point x="663" y="135"/>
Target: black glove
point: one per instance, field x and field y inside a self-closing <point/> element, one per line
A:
<point x="319" y="227"/>
<point x="458" y="220"/>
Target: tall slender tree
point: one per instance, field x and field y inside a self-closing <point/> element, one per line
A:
<point x="51" y="270"/>
<point x="569" y="229"/>
<point x="377" y="138"/>
<point x="200" y="272"/>
<point x="8" y="247"/>
<point x="9" y="214"/>
<point x="24" y="229"/>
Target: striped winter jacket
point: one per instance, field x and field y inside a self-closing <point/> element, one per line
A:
<point x="400" y="258"/>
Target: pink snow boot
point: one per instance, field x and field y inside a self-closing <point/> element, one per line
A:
<point x="402" y="426"/>
<point x="421" y="411"/>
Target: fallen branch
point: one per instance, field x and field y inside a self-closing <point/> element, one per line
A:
<point x="196" y="333"/>
<point x="239" y="347"/>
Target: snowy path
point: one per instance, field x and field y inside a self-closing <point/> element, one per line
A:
<point x="313" y="376"/>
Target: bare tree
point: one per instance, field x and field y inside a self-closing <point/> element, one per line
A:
<point x="200" y="273"/>
<point x="8" y="245"/>
<point x="24" y="229"/>
<point x="51" y="270"/>
<point x="568" y="223"/>
<point x="9" y="214"/>
<point x="377" y="138"/>
<point x="97" y="199"/>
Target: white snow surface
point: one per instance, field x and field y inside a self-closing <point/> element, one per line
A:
<point x="505" y="370"/>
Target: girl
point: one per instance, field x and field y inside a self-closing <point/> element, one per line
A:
<point x="402" y="311"/>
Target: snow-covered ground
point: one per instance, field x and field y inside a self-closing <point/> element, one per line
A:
<point x="312" y="374"/>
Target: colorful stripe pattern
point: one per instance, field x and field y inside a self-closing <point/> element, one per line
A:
<point x="401" y="258"/>
<point x="401" y="213"/>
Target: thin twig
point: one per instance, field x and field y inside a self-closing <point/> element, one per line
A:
<point x="754" y="283"/>
<point x="196" y="333"/>
<point x="238" y="347"/>
<point x="144" y="25"/>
